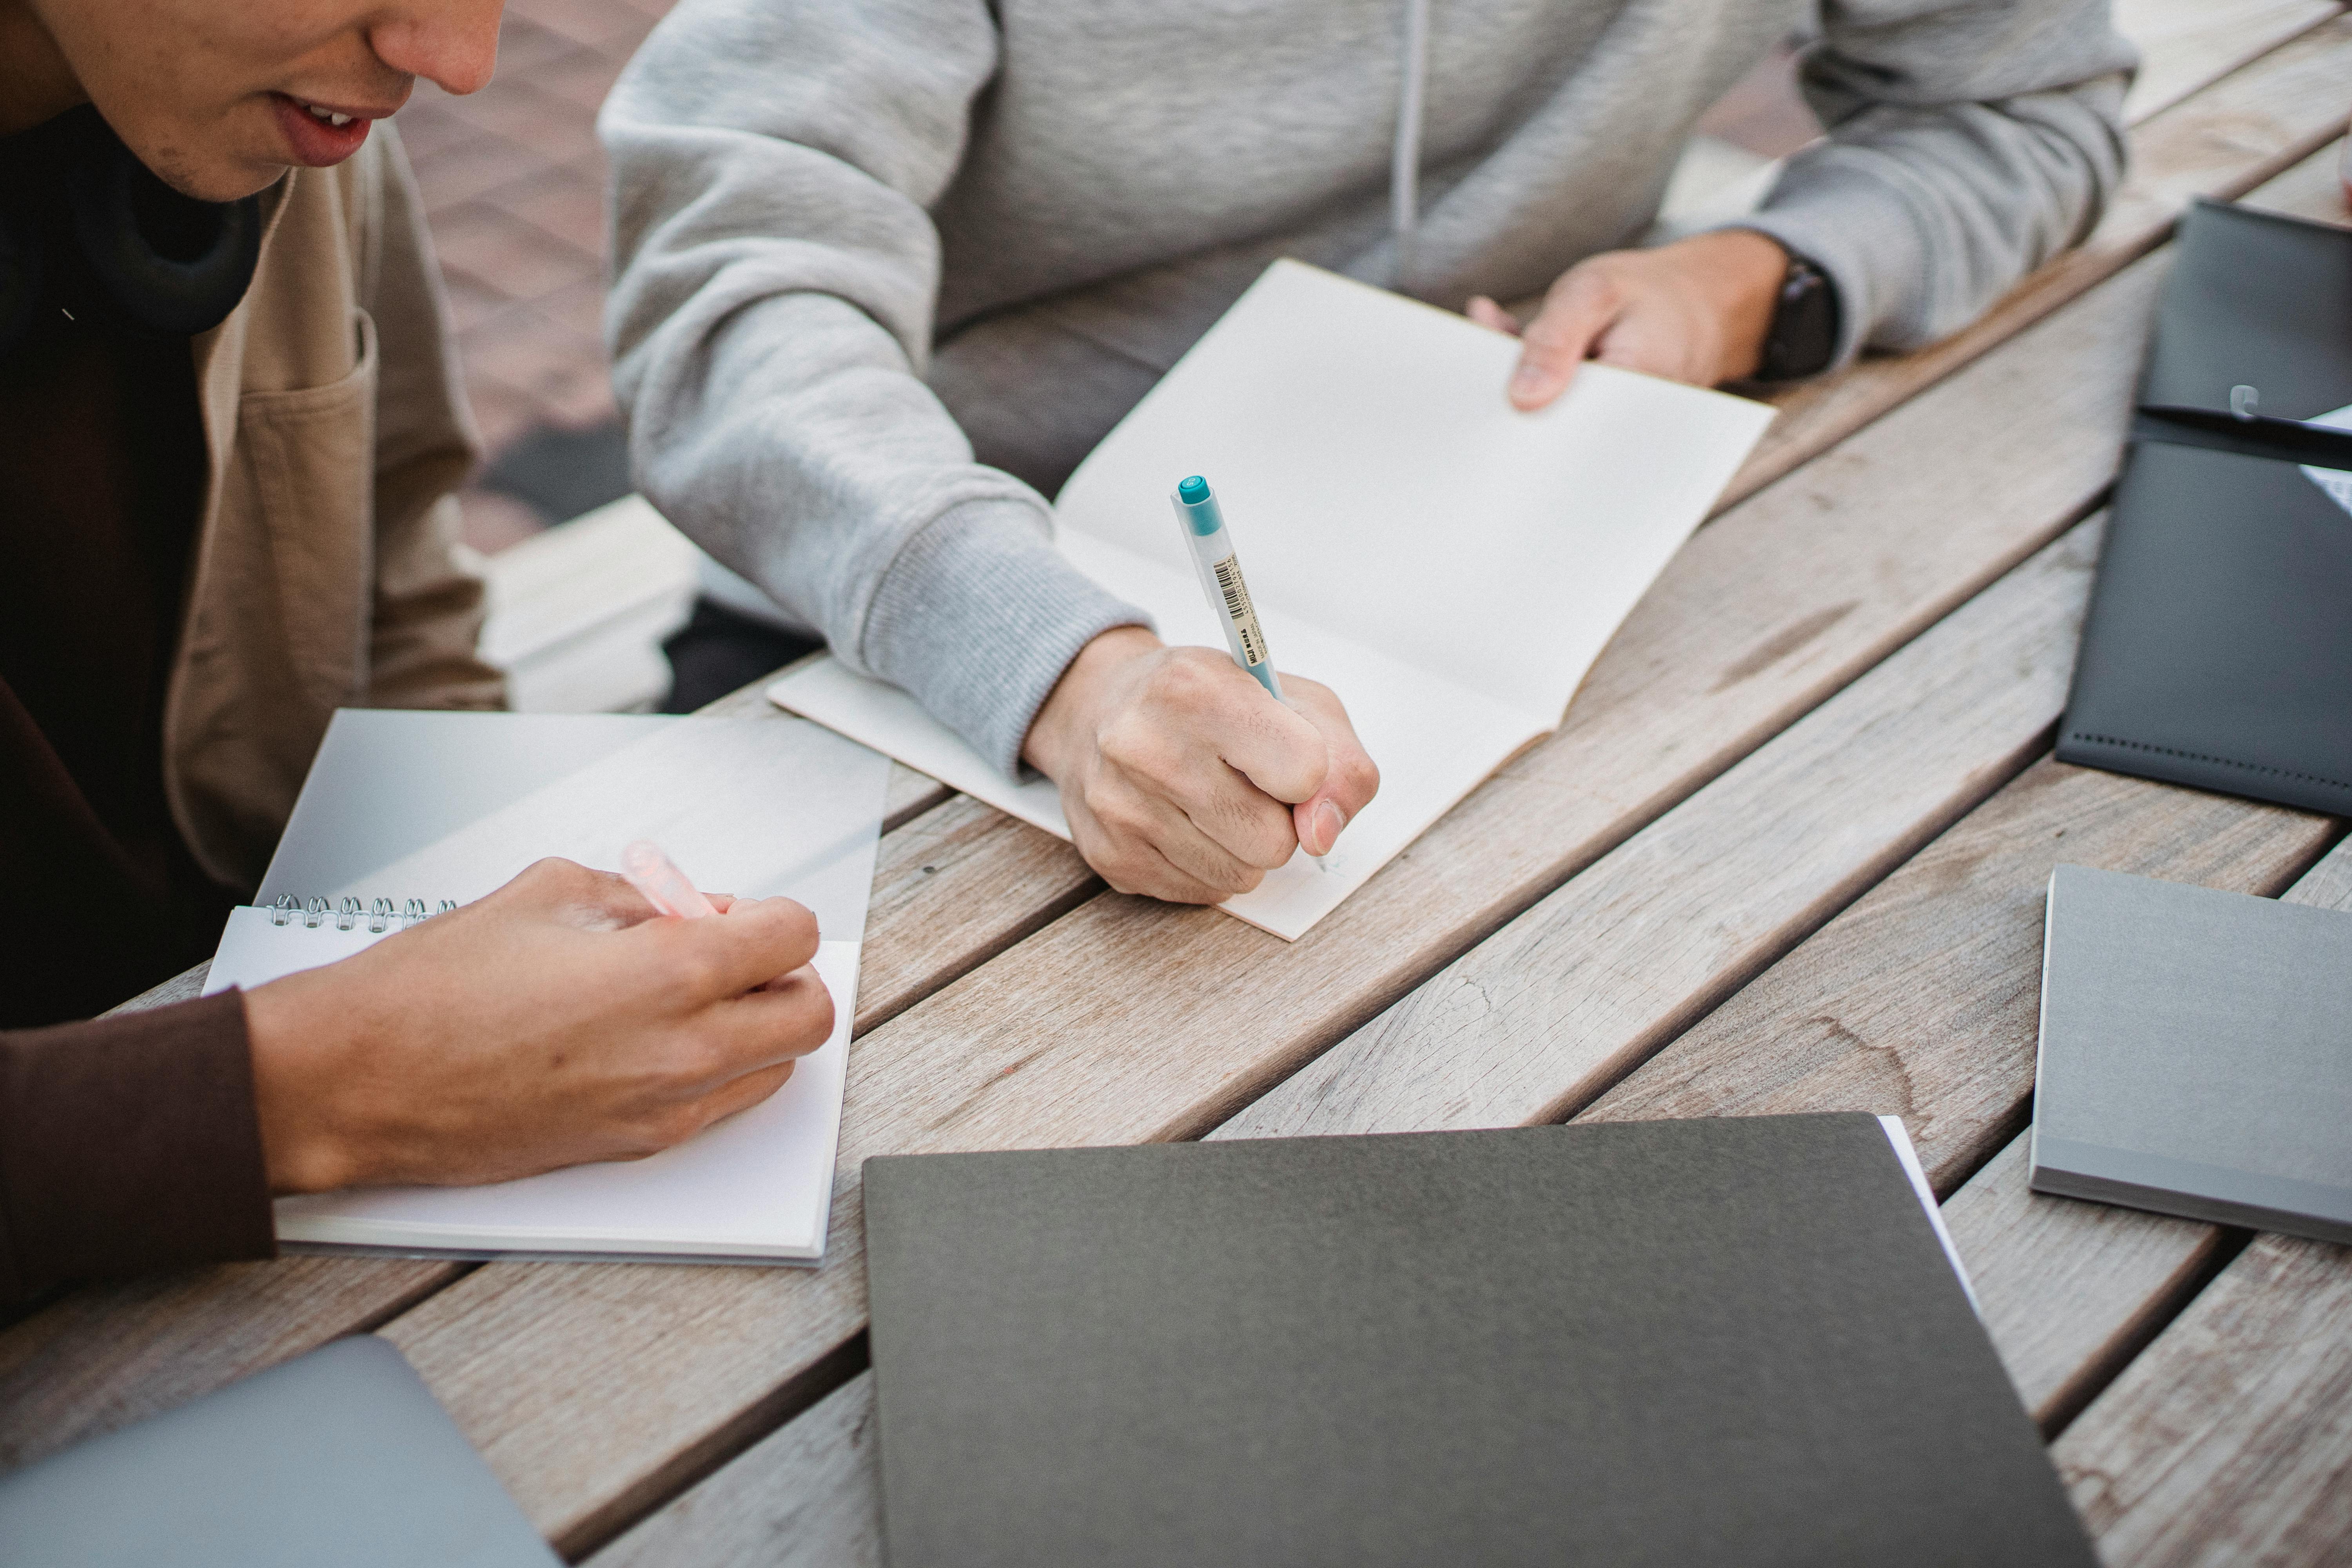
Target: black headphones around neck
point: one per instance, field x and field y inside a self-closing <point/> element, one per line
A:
<point x="86" y="226"/>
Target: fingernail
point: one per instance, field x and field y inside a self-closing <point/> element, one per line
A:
<point x="1329" y="820"/>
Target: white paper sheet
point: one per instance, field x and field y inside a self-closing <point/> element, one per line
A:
<point x="1451" y="567"/>
<point x="750" y="806"/>
<point x="2334" y="482"/>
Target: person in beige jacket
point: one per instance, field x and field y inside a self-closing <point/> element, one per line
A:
<point x="230" y="422"/>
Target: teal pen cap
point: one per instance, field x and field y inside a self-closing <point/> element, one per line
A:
<point x="1199" y="507"/>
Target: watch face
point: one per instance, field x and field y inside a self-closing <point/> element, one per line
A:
<point x="1804" y="333"/>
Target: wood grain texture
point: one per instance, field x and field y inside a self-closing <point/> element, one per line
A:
<point x="806" y="1495"/>
<point x="1922" y="1000"/>
<point x="1126" y="1020"/>
<point x="1541" y="1015"/>
<point x="185" y="986"/>
<point x="2185" y="43"/>
<point x="1793" y="658"/>
<point x="2232" y="135"/>
<point x="2229" y="1440"/>
<point x="956" y="886"/>
<point x="2069" y="1291"/>
<point x="108" y="1355"/>
<point x="2313" y="188"/>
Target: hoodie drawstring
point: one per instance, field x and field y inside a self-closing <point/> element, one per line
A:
<point x="1404" y="163"/>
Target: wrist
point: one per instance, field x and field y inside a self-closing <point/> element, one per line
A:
<point x="1743" y="269"/>
<point x="1058" y="733"/>
<point x="285" y="1032"/>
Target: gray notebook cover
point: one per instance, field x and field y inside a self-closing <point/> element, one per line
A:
<point x="2196" y="1054"/>
<point x="340" y="1456"/>
<point x="1662" y="1342"/>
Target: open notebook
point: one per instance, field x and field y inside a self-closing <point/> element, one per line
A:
<point x="431" y="807"/>
<point x="1449" y="566"/>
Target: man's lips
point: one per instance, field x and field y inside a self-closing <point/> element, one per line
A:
<point x="317" y="142"/>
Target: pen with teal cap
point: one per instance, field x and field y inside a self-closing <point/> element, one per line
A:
<point x="1219" y="570"/>
<point x="1221" y="579"/>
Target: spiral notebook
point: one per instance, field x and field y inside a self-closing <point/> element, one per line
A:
<point x="1450" y="567"/>
<point x="405" y="814"/>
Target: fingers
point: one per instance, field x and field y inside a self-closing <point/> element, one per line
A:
<point x="725" y="955"/>
<point x="750" y="1090"/>
<point x="1350" y="777"/>
<point x="1491" y="316"/>
<point x="1580" y="307"/>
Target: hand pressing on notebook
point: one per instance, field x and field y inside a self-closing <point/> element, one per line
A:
<point x="555" y="1021"/>
<point x="1182" y="779"/>
<point x="1696" y="310"/>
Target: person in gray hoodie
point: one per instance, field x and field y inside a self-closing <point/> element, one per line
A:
<point x="886" y="270"/>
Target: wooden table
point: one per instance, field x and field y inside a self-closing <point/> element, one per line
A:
<point x="1786" y="853"/>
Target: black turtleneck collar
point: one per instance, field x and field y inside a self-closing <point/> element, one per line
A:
<point x="86" y="226"/>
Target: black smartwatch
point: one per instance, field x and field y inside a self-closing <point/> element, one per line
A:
<point x="1804" y="334"/>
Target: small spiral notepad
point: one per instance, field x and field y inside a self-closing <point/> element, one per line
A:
<point x="750" y="807"/>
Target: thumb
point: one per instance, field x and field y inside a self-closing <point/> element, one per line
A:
<point x="1350" y="782"/>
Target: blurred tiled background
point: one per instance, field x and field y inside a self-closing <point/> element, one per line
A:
<point x="514" y="189"/>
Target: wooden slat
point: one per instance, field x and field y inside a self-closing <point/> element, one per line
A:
<point x="2185" y="43"/>
<point x="107" y="1355"/>
<point x="1922" y="999"/>
<point x="2229" y="1439"/>
<point x="2313" y="188"/>
<point x="2227" y="138"/>
<point x="2071" y="1290"/>
<point x="744" y="1487"/>
<point x="1126" y="1020"/>
<point x="1778" y="645"/>
<point x="954" y="887"/>
<point x="1541" y="1015"/>
<point x="805" y="1497"/>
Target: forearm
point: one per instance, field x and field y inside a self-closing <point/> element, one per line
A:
<point x="1967" y="146"/>
<point x="129" y="1144"/>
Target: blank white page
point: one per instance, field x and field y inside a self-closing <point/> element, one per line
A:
<point x="1378" y="486"/>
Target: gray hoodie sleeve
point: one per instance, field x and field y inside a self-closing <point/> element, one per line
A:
<point x="777" y="269"/>
<point x="1969" y="142"/>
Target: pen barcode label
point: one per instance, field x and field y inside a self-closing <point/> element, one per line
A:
<point x="1239" y="611"/>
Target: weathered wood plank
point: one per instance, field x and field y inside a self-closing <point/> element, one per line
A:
<point x="2313" y="188"/>
<point x="2185" y="43"/>
<point x="1543" y="1014"/>
<point x="1790" y="638"/>
<point x="955" y="886"/>
<point x="2229" y="1439"/>
<point x="754" y="1494"/>
<point x="107" y="1355"/>
<point x="2071" y="1290"/>
<point x="806" y="1495"/>
<point x="1922" y="999"/>
<point x="2220" y="143"/>
<point x="1126" y="1020"/>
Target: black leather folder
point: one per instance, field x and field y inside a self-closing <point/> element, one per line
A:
<point x="2218" y="651"/>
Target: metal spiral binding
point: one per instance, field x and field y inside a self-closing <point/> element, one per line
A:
<point x="381" y="915"/>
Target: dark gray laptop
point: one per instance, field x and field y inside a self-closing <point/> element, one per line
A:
<point x="340" y="1457"/>
<point x="2196" y="1054"/>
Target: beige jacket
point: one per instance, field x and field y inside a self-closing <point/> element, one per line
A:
<point x="323" y="574"/>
